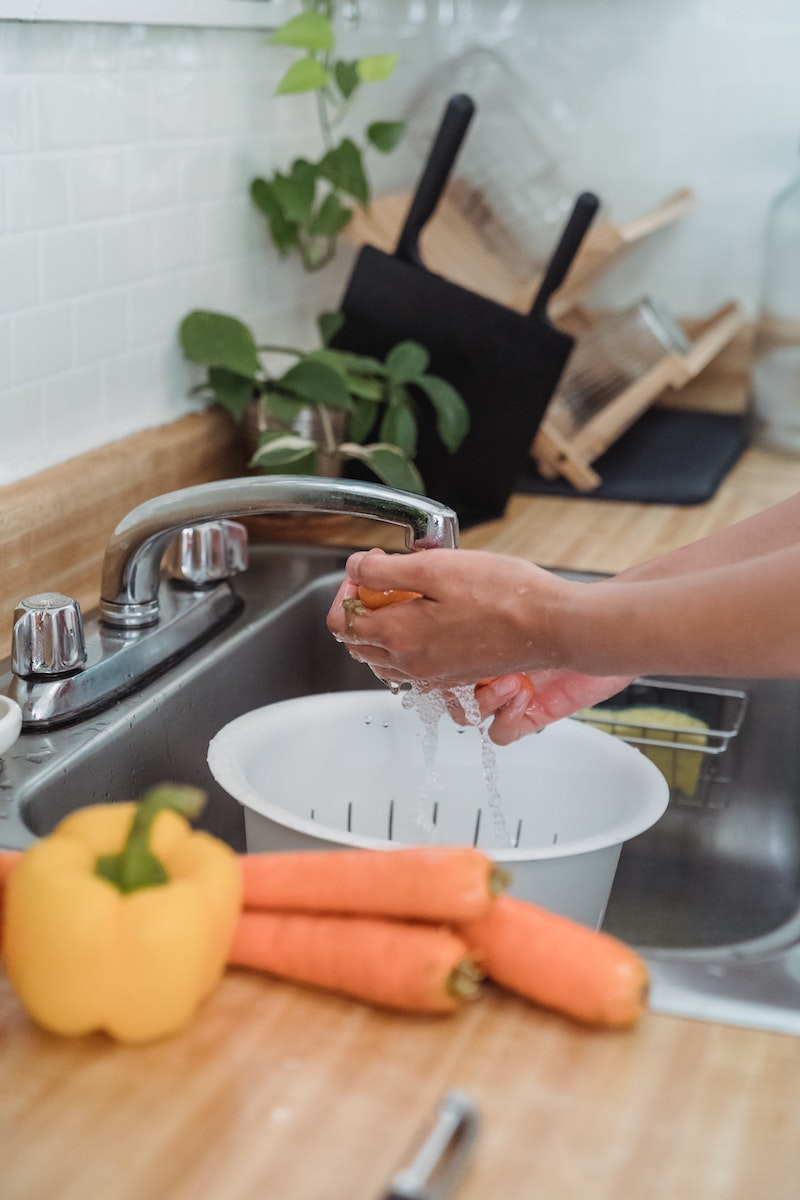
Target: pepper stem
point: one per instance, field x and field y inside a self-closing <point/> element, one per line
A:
<point x="135" y="866"/>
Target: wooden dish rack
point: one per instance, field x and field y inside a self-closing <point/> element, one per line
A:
<point x="452" y="245"/>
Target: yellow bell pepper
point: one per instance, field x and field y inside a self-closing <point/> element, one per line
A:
<point x="121" y="919"/>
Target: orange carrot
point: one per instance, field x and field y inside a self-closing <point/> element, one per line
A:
<point x="395" y="964"/>
<point x="429" y="883"/>
<point x="8" y="859"/>
<point x="375" y="598"/>
<point x="559" y="964"/>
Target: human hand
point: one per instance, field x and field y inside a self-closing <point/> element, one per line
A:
<point x="524" y="704"/>
<point x="477" y="614"/>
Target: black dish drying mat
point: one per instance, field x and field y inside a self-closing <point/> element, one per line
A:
<point x="666" y="457"/>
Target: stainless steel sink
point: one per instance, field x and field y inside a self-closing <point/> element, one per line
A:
<point x="711" y="894"/>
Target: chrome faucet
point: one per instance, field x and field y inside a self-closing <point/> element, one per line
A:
<point x="129" y="595"/>
<point x="62" y="671"/>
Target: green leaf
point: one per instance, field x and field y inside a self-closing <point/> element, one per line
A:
<point x="374" y="68"/>
<point x="365" y="387"/>
<point x="391" y="465"/>
<point x="216" y="340"/>
<point x="406" y="362"/>
<point x="233" y="392"/>
<point x="316" y="383"/>
<point x="284" y="408"/>
<point x="399" y="427"/>
<point x="452" y="414"/>
<point x="343" y="167"/>
<point x="284" y="233"/>
<point x="330" y="218"/>
<point x="347" y="78"/>
<point x="329" y="324"/>
<point x="305" y="75"/>
<point x="384" y="135"/>
<point x="361" y="421"/>
<point x="281" y="449"/>
<point x="295" y="192"/>
<point x="309" y="31"/>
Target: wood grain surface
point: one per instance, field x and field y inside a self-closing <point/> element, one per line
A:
<point x="282" y="1092"/>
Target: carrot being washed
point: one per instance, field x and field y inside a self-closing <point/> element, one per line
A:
<point x="429" y="883"/>
<point x="410" y="967"/>
<point x="559" y="964"/>
<point x="375" y="598"/>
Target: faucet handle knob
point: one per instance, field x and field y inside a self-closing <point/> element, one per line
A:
<point x="47" y="638"/>
<point x="207" y="553"/>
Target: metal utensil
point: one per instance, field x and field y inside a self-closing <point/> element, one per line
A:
<point x="439" y="1162"/>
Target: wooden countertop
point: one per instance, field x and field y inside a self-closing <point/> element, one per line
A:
<point x="277" y="1091"/>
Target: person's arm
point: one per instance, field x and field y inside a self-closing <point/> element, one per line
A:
<point x="722" y="606"/>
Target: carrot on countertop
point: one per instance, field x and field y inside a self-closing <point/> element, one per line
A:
<point x="559" y="964"/>
<point x="8" y="859"/>
<point x="413" y="968"/>
<point x="429" y="883"/>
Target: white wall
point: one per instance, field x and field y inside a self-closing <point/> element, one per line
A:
<point x="126" y="154"/>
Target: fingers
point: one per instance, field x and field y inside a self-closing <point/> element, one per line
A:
<point x="510" y="700"/>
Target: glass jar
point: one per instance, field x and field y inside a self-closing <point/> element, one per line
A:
<point x="775" y="375"/>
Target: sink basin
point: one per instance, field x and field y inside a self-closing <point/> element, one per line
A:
<point x="710" y="894"/>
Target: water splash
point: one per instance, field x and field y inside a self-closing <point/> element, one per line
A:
<point x="431" y="705"/>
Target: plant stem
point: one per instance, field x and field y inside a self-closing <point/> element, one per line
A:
<point x="328" y="439"/>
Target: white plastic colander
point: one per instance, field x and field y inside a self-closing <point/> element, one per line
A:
<point x="354" y="769"/>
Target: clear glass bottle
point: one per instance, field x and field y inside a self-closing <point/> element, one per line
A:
<point x="775" y="375"/>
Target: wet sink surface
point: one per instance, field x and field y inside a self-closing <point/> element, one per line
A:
<point x="711" y="894"/>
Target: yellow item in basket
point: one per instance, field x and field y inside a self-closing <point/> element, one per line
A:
<point x="681" y="768"/>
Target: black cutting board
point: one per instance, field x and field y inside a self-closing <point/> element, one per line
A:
<point x="667" y="457"/>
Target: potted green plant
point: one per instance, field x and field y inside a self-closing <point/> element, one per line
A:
<point x="308" y="205"/>
<point x="363" y="409"/>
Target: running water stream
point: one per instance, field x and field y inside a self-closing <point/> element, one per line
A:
<point x="431" y="705"/>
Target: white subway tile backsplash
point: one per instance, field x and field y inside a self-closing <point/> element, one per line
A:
<point x="42" y="340"/>
<point x="226" y="229"/>
<point x="152" y="178"/>
<point x="132" y="388"/>
<point x="122" y="111"/>
<point x="70" y="262"/>
<point x="65" y="108"/>
<point x="177" y="234"/>
<point x="127" y="151"/>
<point x="127" y="251"/>
<point x="101" y="326"/>
<point x="97" y="183"/>
<point x="19" y="266"/>
<point x="16" y="116"/>
<point x="176" y="105"/>
<point x="37" y="192"/>
<point x="22" y="432"/>
<point x="156" y="310"/>
<point x="73" y="407"/>
<point x="5" y="356"/>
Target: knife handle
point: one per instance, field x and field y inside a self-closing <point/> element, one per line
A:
<point x="441" y="157"/>
<point x="583" y="213"/>
<point x="441" y="1159"/>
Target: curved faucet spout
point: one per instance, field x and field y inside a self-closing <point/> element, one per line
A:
<point x="129" y="594"/>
